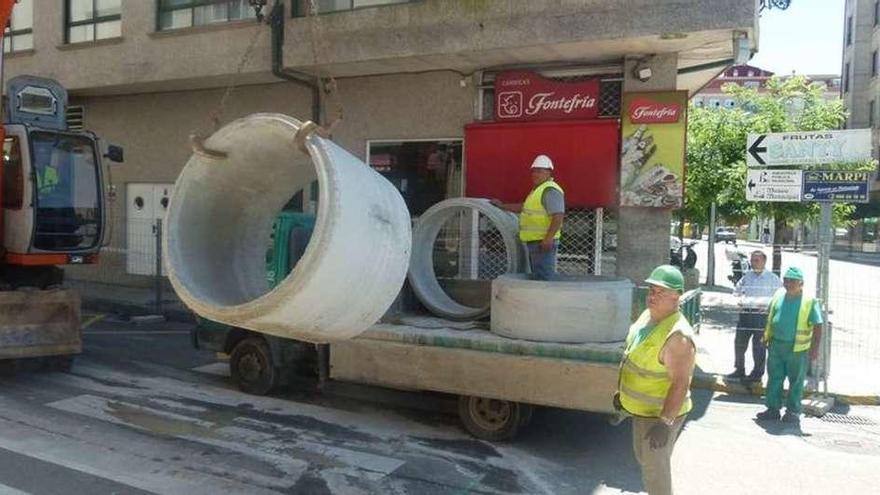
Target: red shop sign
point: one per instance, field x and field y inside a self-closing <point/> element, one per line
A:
<point x="523" y="95"/>
<point x="648" y="111"/>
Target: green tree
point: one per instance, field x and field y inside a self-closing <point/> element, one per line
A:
<point x="717" y="146"/>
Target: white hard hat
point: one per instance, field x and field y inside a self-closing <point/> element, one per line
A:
<point x="542" y="161"/>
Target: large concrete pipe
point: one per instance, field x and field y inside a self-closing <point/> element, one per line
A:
<point x="422" y="275"/>
<point x="220" y="221"/>
<point x="569" y="309"/>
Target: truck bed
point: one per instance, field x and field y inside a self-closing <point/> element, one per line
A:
<point x="475" y="336"/>
<point x="427" y="353"/>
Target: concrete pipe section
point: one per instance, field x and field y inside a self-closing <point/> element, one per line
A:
<point x="570" y="309"/>
<point x="220" y="221"/>
<point x="472" y="221"/>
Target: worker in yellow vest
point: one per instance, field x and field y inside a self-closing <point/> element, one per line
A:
<point x="655" y="378"/>
<point x="793" y="332"/>
<point x="47" y="180"/>
<point x="540" y="219"/>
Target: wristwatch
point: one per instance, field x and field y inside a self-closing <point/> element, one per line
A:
<point x="667" y="421"/>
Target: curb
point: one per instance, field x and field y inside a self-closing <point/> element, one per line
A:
<point x="128" y="310"/>
<point x="717" y="383"/>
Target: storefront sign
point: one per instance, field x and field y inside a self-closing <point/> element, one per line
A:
<point x="808" y="147"/>
<point x="654" y="127"/>
<point x="836" y="186"/>
<point x="523" y="95"/>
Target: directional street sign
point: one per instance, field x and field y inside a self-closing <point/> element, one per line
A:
<point x="773" y="185"/>
<point x="841" y="186"/>
<point x="808" y="148"/>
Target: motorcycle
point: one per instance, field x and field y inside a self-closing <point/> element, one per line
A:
<point x="690" y="257"/>
<point x="739" y="264"/>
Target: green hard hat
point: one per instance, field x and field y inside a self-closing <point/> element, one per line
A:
<point x="667" y="276"/>
<point x="794" y="273"/>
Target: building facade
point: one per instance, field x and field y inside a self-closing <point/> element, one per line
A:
<point x="410" y="75"/>
<point x="713" y="96"/>
<point x="861" y="95"/>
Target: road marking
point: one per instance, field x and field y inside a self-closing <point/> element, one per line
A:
<point x="95" y="319"/>
<point x="8" y="490"/>
<point x="249" y="436"/>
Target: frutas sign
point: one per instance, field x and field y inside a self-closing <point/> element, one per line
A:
<point x="524" y="95"/>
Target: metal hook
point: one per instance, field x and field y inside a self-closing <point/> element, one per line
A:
<point x="198" y="146"/>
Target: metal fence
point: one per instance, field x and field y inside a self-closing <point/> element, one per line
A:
<point x="853" y="311"/>
<point x="129" y="272"/>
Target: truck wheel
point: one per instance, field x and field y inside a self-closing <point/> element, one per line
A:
<point x="252" y="368"/>
<point x="492" y="419"/>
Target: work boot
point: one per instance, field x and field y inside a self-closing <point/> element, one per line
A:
<point x="790" y="417"/>
<point x="769" y="415"/>
<point x="736" y="375"/>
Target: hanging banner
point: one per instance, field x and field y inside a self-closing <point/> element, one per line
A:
<point x="524" y="95"/>
<point x="654" y="130"/>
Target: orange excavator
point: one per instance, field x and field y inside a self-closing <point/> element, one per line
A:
<point x="53" y="194"/>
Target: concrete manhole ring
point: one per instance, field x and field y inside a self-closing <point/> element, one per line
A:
<point x="850" y="443"/>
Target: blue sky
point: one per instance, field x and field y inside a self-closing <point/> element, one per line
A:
<point x="807" y="38"/>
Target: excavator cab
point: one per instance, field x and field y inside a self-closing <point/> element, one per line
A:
<point x="53" y="192"/>
<point x="54" y="184"/>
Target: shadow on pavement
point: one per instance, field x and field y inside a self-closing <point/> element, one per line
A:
<point x="779" y="428"/>
<point x="585" y="443"/>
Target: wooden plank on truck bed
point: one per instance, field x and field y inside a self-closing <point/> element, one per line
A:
<point x="553" y="382"/>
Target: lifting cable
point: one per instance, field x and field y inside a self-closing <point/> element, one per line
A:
<point x="326" y="83"/>
<point x="216" y="115"/>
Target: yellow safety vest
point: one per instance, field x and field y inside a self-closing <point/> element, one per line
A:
<point x="534" y="219"/>
<point x="47" y="181"/>
<point x="644" y="381"/>
<point x="803" y="339"/>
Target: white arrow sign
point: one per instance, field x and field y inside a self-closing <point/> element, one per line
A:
<point x="774" y="185"/>
<point x="808" y="148"/>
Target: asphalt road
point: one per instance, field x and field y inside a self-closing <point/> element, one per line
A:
<point x="142" y="412"/>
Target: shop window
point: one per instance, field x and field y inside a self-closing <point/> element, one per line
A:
<point x="19" y="33"/>
<point x="175" y="14"/>
<point x="425" y="172"/>
<point x="301" y="7"/>
<point x="91" y="20"/>
<point x="13" y="177"/>
<point x="849" y="27"/>
<point x="874" y="63"/>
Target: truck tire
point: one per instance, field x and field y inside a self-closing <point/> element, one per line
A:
<point x="252" y="368"/>
<point x="492" y="419"/>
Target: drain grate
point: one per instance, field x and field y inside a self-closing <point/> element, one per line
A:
<point x="848" y="420"/>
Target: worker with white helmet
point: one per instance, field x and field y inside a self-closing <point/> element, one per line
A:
<point x="540" y="219"/>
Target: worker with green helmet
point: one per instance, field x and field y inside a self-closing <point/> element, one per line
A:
<point x="655" y="377"/>
<point x="792" y="334"/>
<point x="540" y="219"/>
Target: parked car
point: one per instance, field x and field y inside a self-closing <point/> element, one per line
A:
<point x="726" y="234"/>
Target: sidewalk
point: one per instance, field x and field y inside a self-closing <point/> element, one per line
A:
<point x="849" y="382"/>
<point x="130" y="301"/>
